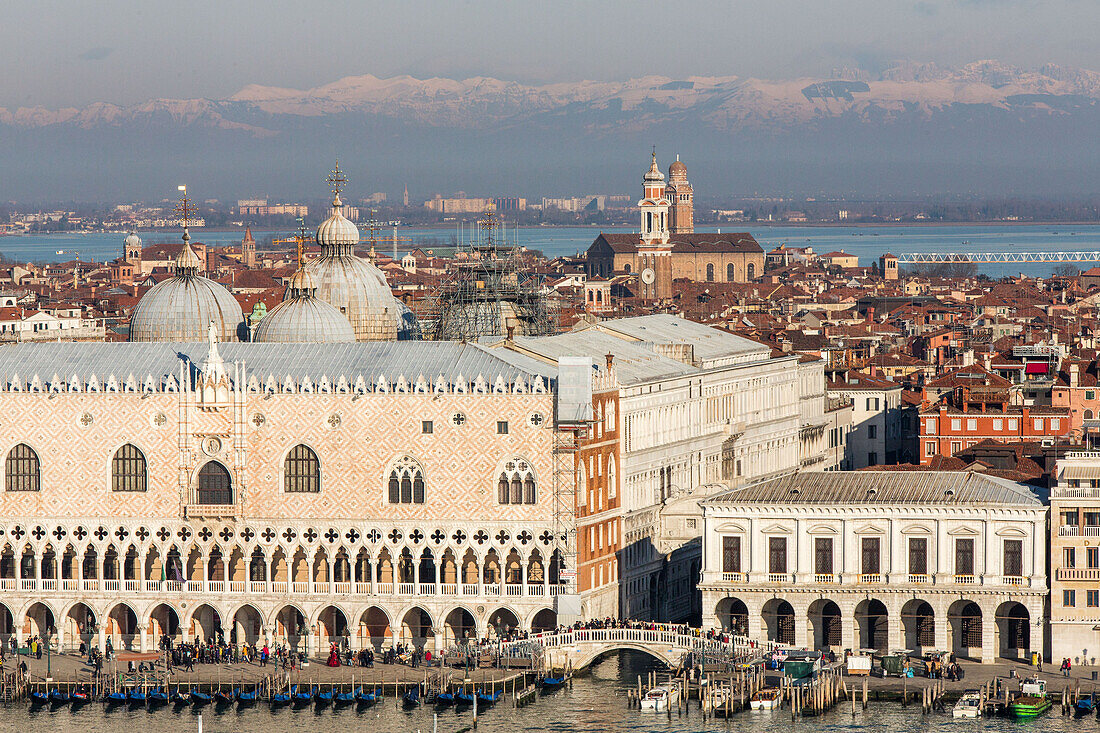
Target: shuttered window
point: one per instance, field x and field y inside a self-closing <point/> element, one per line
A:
<point x="731" y="554"/>
<point x="823" y="555"/>
<point x="777" y="554"/>
<point x="964" y="557"/>
<point x="918" y="556"/>
<point x="1014" y="557"/>
<point x="870" y="547"/>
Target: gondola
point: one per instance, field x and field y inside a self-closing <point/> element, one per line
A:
<point x="279" y="699"/>
<point x="346" y="698"/>
<point x="488" y="698"/>
<point x="445" y="698"/>
<point x="247" y="698"/>
<point x="179" y="698"/>
<point x="39" y="697"/>
<point x="80" y="696"/>
<point x="324" y="698"/>
<point x="199" y="698"/>
<point x="302" y="697"/>
<point x="411" y="698"/>
<point x="158" y="697"/>
<point x="115" y="698"/>
<point x="552" y="683"/>
<point x="58" y="697"/>
<point x="1085" y="704"/>
<point x="366" y="698"/>
<point x="464" y="697"/>
<point x="136" y="696"/>
<point x="225" y="697"/>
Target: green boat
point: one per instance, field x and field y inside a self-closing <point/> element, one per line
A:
<point x="1029" y="706"/>
<point x="1032" y="700"/>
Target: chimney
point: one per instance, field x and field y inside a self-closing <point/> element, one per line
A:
<point x="610" y="358"/>
<point x="511" y="333"/>
<point x="1073" y="375"/>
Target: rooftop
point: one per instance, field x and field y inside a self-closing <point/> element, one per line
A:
<point x="882" y="487"/>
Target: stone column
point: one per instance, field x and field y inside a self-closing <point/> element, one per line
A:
<point x="38" y="573"/>
<point x="802" y="635"/>
<point x="101" y="640"/>
<point x="941" y="626"/>
<point x="416" y="576"/>
<point x="990" y="642"/>
<point x="143" y="640"/>
<point x="848" y="633"/>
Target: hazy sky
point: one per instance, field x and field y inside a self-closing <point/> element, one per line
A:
<point x="71" y="52"/>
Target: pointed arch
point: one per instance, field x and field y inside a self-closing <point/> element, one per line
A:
<point x="516" y="482"/>
<point x="405" y="481"/>
<point x="129" y="471"/>
<point x="22" y="469"/>
<point x="302" y="471"/>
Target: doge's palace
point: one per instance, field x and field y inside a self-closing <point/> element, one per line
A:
<point x="275" y="492"/>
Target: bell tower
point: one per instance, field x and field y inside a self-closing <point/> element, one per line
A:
<point x="248" y="249"/>
<point x="681" y="213"/>
<point x="654" y="253"/>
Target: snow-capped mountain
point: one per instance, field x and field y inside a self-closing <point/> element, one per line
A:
<point x="910" y="113"/>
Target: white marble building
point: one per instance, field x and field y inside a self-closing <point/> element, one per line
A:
<point x="879" y="559"/>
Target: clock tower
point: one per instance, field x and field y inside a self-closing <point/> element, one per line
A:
<point x="654" y="252"/>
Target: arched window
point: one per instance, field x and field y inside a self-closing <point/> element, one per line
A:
<point x="626" y="268"/>
<point x="128" y="469"/>
<point x="710" y="272"/>
<point x="1088" y="414"/>
<point x="406" y="482"/>
<point x="21" y="470"/>
<point x="582" y="483"/>
<point x="731" y="274"/>
<point x="215" y="485"/>
<point x="302" y="471"/>
<point x="612" y="479"/>
<point x="750" y="271"/>
<point x="516" y="484"/>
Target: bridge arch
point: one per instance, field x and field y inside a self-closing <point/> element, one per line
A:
<point x="588" y="657"/>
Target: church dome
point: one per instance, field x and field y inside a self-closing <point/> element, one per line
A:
<point x="337" y="230"/>
<point x="131" y="241"/>
<point x="353" y="285"/>
<point x="181" y="308"/>
<point x="303" y="318"/>
<point x="654" y="175"/>
<point x="677" y="169"/>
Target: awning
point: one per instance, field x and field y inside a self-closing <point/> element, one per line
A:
<point x="1078" y="472"/>
<point x="1037" y="367"/>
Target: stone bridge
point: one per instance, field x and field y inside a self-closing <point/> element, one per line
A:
<point x="668" y="643"/>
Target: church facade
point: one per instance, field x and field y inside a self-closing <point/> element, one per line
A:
<point x="667" y="247"/>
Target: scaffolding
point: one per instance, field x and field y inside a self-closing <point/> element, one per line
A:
<point x="487" y="293"/>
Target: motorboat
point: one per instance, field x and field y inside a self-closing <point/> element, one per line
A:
<point x="657" y="699"/>
<point x="765" y="699"/>
<point x="1032" y="700"/>
<point x="968" y="706"/>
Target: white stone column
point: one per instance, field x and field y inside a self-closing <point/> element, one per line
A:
<point x="989" y="634"/>
<point x="143" y="640"/>
<point x="942" y="626"/>
<point x="101" y="640"/>
<point x="847" y="625"/>
<point x="802" y="636"/>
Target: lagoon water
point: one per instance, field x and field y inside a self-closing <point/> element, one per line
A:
<point x="868" y="242"/>
<point x="596" y="703"/>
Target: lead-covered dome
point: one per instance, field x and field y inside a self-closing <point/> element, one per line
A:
<point x="182" y="307"/>
<point x="354" y="286"/>
<point x="303" y="318"/>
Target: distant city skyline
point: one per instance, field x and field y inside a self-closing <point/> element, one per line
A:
<point x="124" y="52"/>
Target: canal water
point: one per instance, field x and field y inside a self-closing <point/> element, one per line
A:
<point x="596" y="702"/>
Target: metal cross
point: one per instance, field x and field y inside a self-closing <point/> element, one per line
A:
<point x="337" y="179"/>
